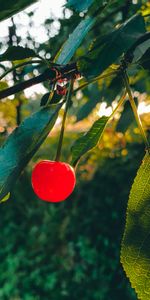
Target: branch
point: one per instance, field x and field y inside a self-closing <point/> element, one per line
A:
<point x="52" y="74"/>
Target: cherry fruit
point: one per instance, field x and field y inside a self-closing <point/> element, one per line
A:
<point x="53" y="181"/>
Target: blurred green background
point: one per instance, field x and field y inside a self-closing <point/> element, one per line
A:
<point x="71" y="250"/>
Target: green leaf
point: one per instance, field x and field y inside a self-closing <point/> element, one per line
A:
<point x="22" y="144"/>
<point x="88" y="140"/>
<point x="56" y="98"/>
<point x="5" y="198"/>
<point x="17" y="53"/>
<point x="94" y="96"/>
<point x="107" y="51"/>
<point x="141" y="49"/>
<point x="113" y="89"/>
<point x="11" y="7"/>
<point x="145" y="60"/>
<point x="126" y="118"/>
<point x="87" y="108"/>
<point x="135" y="251"/>
<point x="79" y="5"/>
<point x="44" y="99"/>
<point x="75" y="39"/>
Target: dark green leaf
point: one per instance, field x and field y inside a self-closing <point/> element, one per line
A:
<point x="44" y="99"/>
<point x="11" y="7"/>
<point x="114" y="88"/>
<point x="126" y="118"/>
<point x="88" y="140"/>
<point x="74" y="41"/>
<point x="22" y="144"/>
<point x="141" y="49"/>
<point x="145" y="60"/>
<point x="94" y="96"/>
<point x="79" y="5"/>
<point x="118" y="42"/>
<point x="87" y="108"/>
<point x="17" y="53"/>
<point x="56" y="98"/>
<point x="135" y="252"/>
<point x="108" y="93"/>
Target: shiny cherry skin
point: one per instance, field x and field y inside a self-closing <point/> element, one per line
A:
<point x="53" y="181"/>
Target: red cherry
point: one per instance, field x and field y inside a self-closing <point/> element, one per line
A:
<point x="53" y="181"/>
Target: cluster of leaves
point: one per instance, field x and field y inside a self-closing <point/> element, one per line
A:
<point x="94" y="59"/>
<point x="93" y="64"/>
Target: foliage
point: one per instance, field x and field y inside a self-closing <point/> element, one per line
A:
<point x="105" y="52"/>
<point x="135" y="247"/>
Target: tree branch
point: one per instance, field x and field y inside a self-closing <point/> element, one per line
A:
<point x="52" y="74"/>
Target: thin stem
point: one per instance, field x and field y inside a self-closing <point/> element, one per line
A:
<point x="119" y="103"/>
<point x="68" y="98"/>
<point x="134" y="108"/>
<point x="20" y="65"/>
<point x="94" y="80"/>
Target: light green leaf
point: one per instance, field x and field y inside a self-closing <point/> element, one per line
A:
<point x="88" y="140"/>
<point x="22" y="144"/>
<point x="106" y="51"/>
<point x="5" y="198"/>
<point x="11" y="7"/>
<point x="17" y="53"/>
<point x="135" y="251"/>
<point x="75" y="39"/>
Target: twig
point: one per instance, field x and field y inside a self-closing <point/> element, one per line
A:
<point x="19" y="66"/>
<point x="52" y="74"/>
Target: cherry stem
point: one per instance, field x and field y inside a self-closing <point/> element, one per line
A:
<point x="68" y="98"/>
<point x="134" y="108"/>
